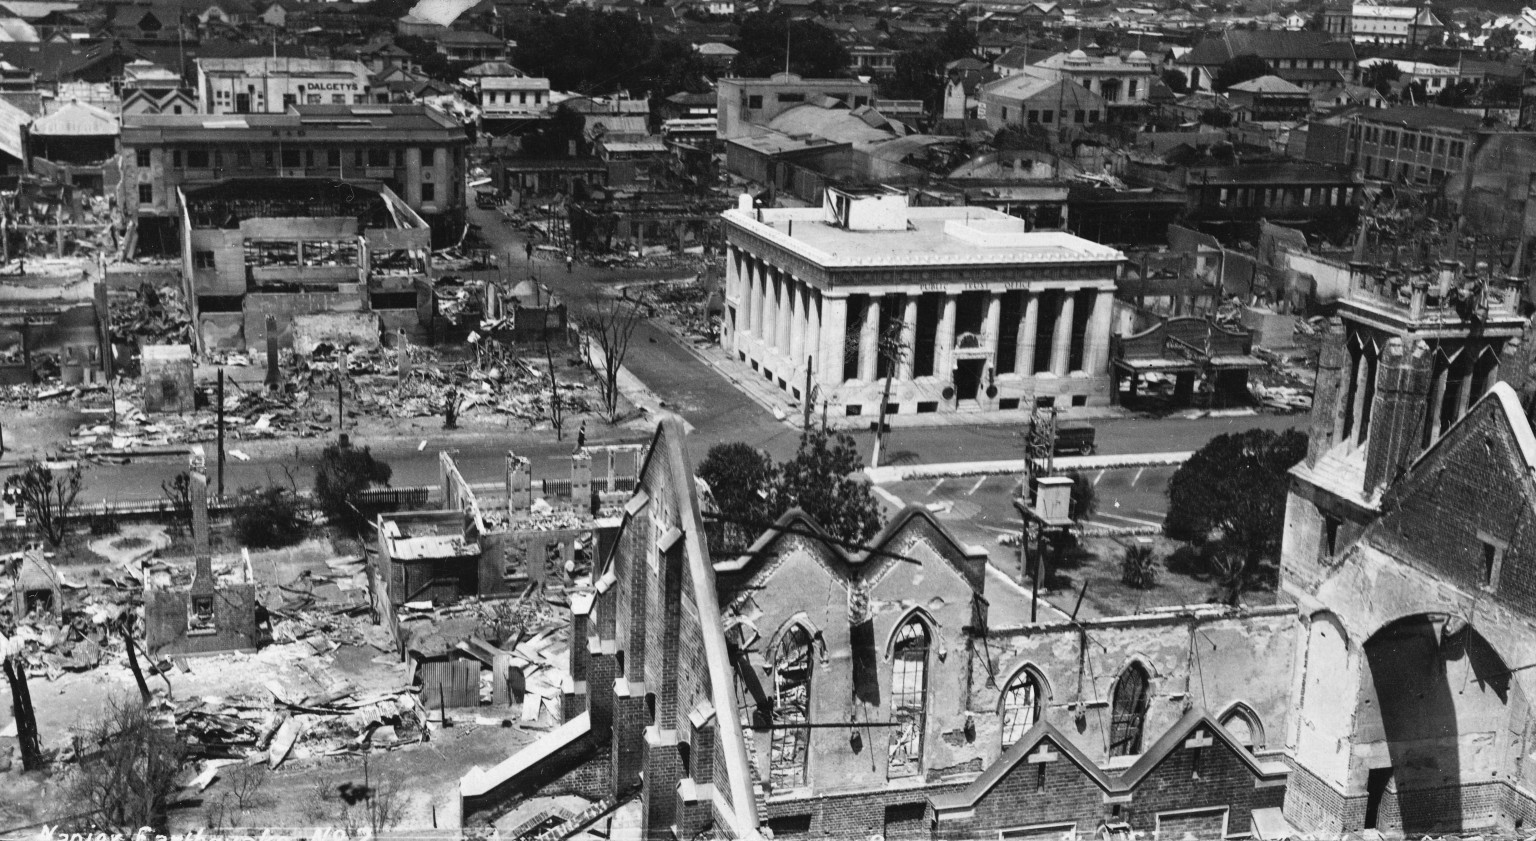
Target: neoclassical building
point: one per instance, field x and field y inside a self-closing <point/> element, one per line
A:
<point x="964" y="308"/>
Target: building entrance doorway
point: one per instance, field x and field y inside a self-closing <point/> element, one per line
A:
<point x="968" y="378"/>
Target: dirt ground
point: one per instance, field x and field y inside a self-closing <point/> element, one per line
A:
<point x="1096" y="562"/>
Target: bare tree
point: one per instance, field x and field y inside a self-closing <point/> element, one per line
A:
<point x="376" y="804"/>
<point x="178" y="492"/>
<point x="244" y="793"/>
<point x="611" y="322"/>
<point x="50" y="497"/>
<point x="556" y="402"/>
<point x="127" y="769"/>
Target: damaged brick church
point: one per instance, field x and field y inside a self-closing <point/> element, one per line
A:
<point x="811" y="691"/>
<point x="801" y="690"/>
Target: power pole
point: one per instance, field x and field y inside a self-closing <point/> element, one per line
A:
<point x="341" y="373"/>
<point x="809" y="400"/>
<point x="221" y="432"/>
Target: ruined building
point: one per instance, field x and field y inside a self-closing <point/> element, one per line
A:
<point x="897" y="690"/>
<point x="1409" y="548"/>
<point x="290" y="248"/>
<point x="414" y="150"/>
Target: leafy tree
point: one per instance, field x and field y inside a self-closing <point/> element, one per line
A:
<point x="126" y="772"/>
<point x="918" y="75"/>
<point x="1237" y="70"/>
<point x="814" y="51"/>
<point x="585" y="50"/>
<point x="1233" y="490"/>
<point x="1176" y="81"/>
<point x="49" y="497"/>
<point x="1458" y="95"/>
<point x="820" y="480"/>
<point x="1500" y="41"/>
<point x="343" y="473"/>
<point x="269" y="518"/>
<point x="1085" y="498"/>
<point x="741" y="477"/>
<point x="1381" y="76"/>
<point x="958" y="41"/>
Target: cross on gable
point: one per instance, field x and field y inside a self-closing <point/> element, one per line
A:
<point x="1200" y="739"/>
<point x="1043" y="753"/>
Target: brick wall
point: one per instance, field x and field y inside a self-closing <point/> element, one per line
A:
<point x="1474" y="484"/>
<point x="858" y="814"/>
<point x="165" y="616"/>
<point x="1223" y="780"/>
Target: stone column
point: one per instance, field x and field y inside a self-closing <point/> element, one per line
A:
<point x="759" y="283"/>
<point x="1061" y="342"/>
<point x="786" y="314"/>
<point x="796" y="323"/>
<point x="990" y="326"/>
<point x="733" y="287"/>
<point x="813" y="339"/>
<point x="1100" y="325"/>
<point x="908" y="337"/>
<point x="770" y="309"/>
<point x="944" y="344"/>
<point x="413" y="176"/>
<point x="869" y="340"/>
<point x="834" y="326"/>
<point x="1029" y="324"/>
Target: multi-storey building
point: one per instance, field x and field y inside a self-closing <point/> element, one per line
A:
<point x="415" y="150"/>
<point x="960" y="306"/>
<point x="271" y="85"/>
<point x="1413" y="144"/>
<point x="744" y="103"/>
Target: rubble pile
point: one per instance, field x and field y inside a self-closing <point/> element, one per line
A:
<point x="153" y="316"/>
<point x="493" y="382"/>
<point x="276" y="726"/>
<point x="686" y="304"/>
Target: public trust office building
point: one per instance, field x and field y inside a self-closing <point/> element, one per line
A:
<point x="961" y="306"/>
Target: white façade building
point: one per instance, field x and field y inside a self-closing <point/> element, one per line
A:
<point x="967" y="310"/>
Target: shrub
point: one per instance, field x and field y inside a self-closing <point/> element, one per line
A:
<point x="1138" y="566"/>
<point x="269" y="518"/>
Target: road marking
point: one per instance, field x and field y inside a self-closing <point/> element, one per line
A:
<point x="977" y="486"/>
<point x="1159" y="514"/>
<point x="936" y="486"/>
<point x="1137" y="477"/>
<point x="889" y="497"/>
<point x="1129" y="519"/>
<point x="1097" y="478"/>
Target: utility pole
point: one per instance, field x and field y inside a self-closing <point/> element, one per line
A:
<point x="809" y="400"/>
<point x="221" y="432"/>
<point x="894" y="349"/>
<point x="341" y="373"/>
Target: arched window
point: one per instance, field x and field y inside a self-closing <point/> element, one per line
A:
<point x="1021" y="706"/>
<point x="1244" y="726"/>
<point x="1129" y="712"/>
<point x="909" y="697"/>
<point x="790" y="743"/>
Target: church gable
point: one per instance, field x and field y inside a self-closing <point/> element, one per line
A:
<point x="1464" y="511"/>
